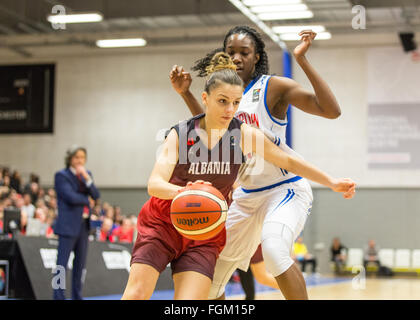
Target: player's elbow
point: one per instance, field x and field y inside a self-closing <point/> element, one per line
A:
<point x="152" y="187"/>
<point x="333" y="114"/>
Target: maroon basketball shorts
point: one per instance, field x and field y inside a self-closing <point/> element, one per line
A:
<point x="258" y="256"/>
<point x="158" y="243"/>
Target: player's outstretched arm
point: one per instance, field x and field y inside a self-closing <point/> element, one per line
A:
<point x="181" y="82"/>
<point x="158" y="185"/>
<point x="253" y="140"/>
<point x="322" y="101"/>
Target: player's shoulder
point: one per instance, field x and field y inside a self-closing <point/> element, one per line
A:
<point x="188" y="122"/>
<point x="279" y="80"/>
<point x="184" y="125"/>
<point x="235" y="123"/>
<point x="279" y="85"/>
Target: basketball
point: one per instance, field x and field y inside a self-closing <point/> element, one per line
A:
<point x="199" y="212"/>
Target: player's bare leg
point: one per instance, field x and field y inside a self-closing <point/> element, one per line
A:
<point x="191" y="285"/>
<point x="292" y="284"/>
<point x="141" y="282"/>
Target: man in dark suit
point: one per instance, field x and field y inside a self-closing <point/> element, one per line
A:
<point x="73" y="186"/>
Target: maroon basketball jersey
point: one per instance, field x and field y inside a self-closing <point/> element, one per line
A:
<point x="220" y="165"/>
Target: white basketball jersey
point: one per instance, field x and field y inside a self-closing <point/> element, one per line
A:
<point x="257" y="173"/>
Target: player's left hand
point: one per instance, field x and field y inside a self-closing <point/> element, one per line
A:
<point x="306" y="40"/>
<point x="181" y="80"/>
<point x="346" y="186"/>
<point x="189" y="183"/>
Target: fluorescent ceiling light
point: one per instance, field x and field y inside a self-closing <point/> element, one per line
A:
<point x="286" y="15"/>
<point x="297" y="29"/>
<point x="279" y="8"/>
<point x="251" y="3"/>
<point x="118" y="43"/>
<point x="245" y="10"/>
<point x="75" y="18"/>
<point x="296" y="37"/>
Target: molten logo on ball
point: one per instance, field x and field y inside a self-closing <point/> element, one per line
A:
<point x="191" y="222"/>
<point x="199" y="212"/>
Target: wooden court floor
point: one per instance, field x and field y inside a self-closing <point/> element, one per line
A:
<point x="371" y="288"/>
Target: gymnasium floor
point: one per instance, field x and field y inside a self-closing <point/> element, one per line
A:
<point x="323" y="288"/>
<point x="372" y="289"/>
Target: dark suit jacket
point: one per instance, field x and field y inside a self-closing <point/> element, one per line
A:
<point x="71" y="201"/>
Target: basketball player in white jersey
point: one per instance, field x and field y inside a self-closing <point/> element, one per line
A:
<point x="271" y="205"/>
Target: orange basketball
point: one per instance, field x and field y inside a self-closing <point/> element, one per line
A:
<point x="199" y="212"/>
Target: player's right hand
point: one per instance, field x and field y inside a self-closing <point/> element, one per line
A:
<point x="181" y="80"/>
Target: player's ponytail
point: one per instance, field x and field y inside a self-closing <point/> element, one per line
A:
<point x="221" y="69"/>
<point x="201" y="64"/>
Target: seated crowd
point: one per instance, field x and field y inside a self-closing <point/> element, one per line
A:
<point x="35" y="203"/>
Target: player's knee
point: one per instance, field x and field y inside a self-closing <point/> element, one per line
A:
<point x="276" y="246"/>
<point x="217" y="292"/>
<point x="136" y="290"/>
<point x="222" y="273"/>
<point x="135" y="293"/>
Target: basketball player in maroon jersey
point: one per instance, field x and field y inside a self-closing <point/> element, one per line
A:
<point x="158" y="243"/>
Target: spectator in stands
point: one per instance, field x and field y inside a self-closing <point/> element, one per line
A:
<point x="7" y="202"/>
<point x="109" y="213"/>
<point x="6" y="182"/>
<point x="133" y="218"/>
<point x="14" y="196"/>
<point x="50" y="219"/>
<point x="118" y="217"/>
<point x="33" y="178"/>
<point x="106" y="230"/>
<point x="51" y="194"/>
<point x="125" y="232"/>
<point x="52" y="204"/>
<point x="16" y="181"/>
<point x="41" y="193"/>
<point x="19" y="202"/>
<point x="96" y="212"/>
<point x="302" y="256"/>
<point x="41" y="204"/>
<point x="105" y="207"/>
<point x="5" y="172"/>
<point x="4" y="192"/>
<point x="27" y="205"/>
<point x="41" y="215"/>
<point x="33" y="191"/>
<point x="338" y="255"/>
<point x="371" y="255"/>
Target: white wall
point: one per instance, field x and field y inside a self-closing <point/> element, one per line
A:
<point x="115" y="104"/>
<point x="340" y="146"/>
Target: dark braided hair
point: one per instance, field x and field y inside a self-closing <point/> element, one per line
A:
<point x="221" y="69"/>
<point x="201" y="64"/>
<point x="261" y="66"/>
